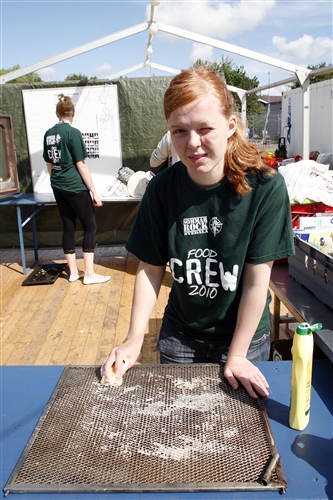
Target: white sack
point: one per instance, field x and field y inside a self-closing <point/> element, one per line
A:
<point x="307" y="179"/>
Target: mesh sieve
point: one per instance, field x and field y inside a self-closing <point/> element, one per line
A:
<point x="167" y="428"/>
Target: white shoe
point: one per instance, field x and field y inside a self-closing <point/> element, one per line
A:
<point x="90" y="279"/>
<point x="75" y="277"/>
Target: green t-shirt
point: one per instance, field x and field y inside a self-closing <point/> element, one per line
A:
<point x="64" y="147"/>
<point x="207" y="235"/>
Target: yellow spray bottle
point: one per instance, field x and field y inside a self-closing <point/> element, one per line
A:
<point x="302" y="356"/>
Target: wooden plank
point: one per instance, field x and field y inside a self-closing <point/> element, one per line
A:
<point x="8" y="260"/>
<point x="10" y="271"/>
<point x="126" y="300"/>
<point x="48" y="297"/>
<point x="53" y="351"/>
<point x="150" y="353"/>
<point x="101" y="292"/>
<point x="71" y="323"/>
<point x="37" y="315"/>
<point x="18" y="316"/>
<point x="19" y="304"/>
<point x="40" y="321"/>
<point x="117" y="265"/>
<point x="89" y="354"/>
<point x="77" y="334"/>
<point x="12" y="259"/>
<point x="81" y="308"/>
<point x="9" y="288"/>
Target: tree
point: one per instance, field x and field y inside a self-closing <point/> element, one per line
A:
<point x="316" y="79"/>
<point x="237" y="77"/>
<point x="78" y="77"/>
<point x="30" y="78"/>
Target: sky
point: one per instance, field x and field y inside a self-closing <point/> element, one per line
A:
<point x="296" y="31"/>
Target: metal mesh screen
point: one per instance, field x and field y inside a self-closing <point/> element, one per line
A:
<point x="168" y="427"/>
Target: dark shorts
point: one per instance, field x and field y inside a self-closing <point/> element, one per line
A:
<point x="177" y="348"/>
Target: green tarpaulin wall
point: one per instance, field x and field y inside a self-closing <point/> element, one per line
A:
<point x="142" y="125"/>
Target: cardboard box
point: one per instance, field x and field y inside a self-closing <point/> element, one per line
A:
<point x="281" y="350"/>
<point x="323" y="223"/>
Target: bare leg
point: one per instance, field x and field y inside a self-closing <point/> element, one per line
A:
<point x="88" y="259"/>
<point x="71" y="262"/>
<point x="74" y="273"/>
<point x="90" y="276"/>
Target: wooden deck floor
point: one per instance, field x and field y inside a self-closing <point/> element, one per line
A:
<point x="71" y="323"/>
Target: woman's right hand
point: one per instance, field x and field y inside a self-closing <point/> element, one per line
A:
<point x="123" y="357"/>
<point x="97" y="202"/>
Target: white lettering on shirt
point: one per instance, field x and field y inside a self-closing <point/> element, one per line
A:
<point x="204" y="280"/>
<point x="54" y="153"/>
<point x="195" y="225"/>
<point x="179" y="263"/>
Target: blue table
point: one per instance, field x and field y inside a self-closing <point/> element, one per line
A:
<point x="35" y="202"/>
<point x="306" y="456"/>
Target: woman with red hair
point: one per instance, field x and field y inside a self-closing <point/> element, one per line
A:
<point x="220" y="218"/>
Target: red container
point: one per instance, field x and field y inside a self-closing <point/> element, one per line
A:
<point x="307" y="210"/>
<point x="272" y="162"/>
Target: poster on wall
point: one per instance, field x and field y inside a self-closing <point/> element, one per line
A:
<point x="97" y="118"/>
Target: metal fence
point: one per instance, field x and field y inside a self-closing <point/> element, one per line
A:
<point x="264" y="127"/>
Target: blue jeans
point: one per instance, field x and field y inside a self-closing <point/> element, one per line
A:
<point x="179" y="349"/>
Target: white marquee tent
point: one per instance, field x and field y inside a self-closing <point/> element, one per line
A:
<point x="153" y="26"/>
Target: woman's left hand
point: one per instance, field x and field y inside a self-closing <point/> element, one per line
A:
<point x="239" y="369"/>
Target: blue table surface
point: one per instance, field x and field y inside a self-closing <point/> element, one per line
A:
<point x="26" y="199"/>
<point x="306" y="456"/>
<point x="29" y="199"/>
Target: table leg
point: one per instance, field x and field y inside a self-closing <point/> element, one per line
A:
<point x="276" y="317"/>
<point x="34" y="232"/>
<point x="19" y="225"/>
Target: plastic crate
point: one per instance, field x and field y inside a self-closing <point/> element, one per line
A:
<point x="304" y="210"/>
<point x="307" y="210"/>
<point x="272" y="162"/>
<point x="313" y="269"/>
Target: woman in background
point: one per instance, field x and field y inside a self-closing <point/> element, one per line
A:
<point x="73" y="188"/>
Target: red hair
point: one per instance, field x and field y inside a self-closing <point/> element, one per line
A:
<point x="241" y="156"/>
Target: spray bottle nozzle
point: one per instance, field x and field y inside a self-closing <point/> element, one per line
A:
<point x="306" y="329"/>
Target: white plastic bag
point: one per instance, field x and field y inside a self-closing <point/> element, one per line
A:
<point x="138" y="182"/>
<point x="116" y="190"/>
